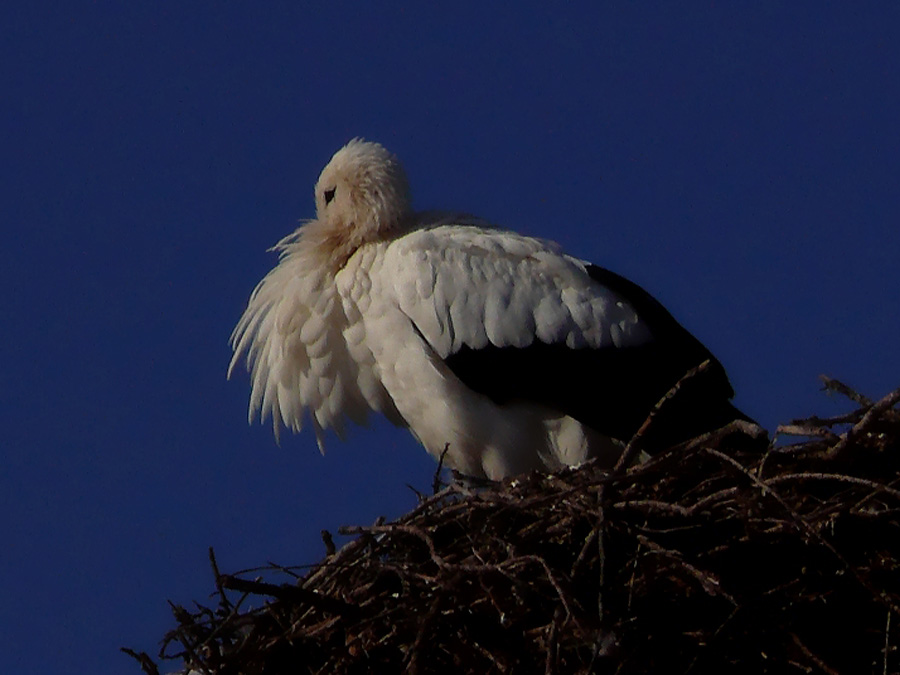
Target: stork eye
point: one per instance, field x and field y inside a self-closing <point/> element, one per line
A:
<point x="329" y="195"/>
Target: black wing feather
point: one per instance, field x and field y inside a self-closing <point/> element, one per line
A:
<point x="610" y="389"/>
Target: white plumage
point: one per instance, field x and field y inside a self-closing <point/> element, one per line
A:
<point x="496" y="346"/>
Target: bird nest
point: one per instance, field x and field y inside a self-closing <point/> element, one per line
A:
<point x="710" y="557"/>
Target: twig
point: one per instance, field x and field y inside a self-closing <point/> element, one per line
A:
<point x="144" y="659"/>
<point x="633" y="445"/>
<point x="812" y="532"/>
<point x="436" y="483"/>
<point x="328" y="540"/>
<point x="834" y="477"/>
<point x="285" y="591"/>
<point x="824" y="667"/>
<point x="872" y="414"/>
<point x="223" y="597"/>
<point x="710" y="584"/>
<point x="887" y="640"/>
<point x="831" y="384"/>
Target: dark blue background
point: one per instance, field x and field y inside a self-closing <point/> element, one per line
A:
<point x="740" y="161"/>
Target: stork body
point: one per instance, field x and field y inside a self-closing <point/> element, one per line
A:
<point x="497" y="347"/>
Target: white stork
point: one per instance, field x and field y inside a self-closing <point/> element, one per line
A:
<point x="498" y="347"/>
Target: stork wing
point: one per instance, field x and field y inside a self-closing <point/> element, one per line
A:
<point x="514" y="318"/>
<point x="477" y="287"/>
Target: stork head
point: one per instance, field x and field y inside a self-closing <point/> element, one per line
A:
<point x="362" y="193"/>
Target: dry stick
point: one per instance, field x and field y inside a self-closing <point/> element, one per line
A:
<point x="840" y="478"/>
<point x="748" y="428"/>
<point x="413" y="665"/>
<point x="144" y="659"/>
<point x="582" y="554"/>
<point x="633" y="445"/>
<point x="349" y="550"/>
<point x="485" y="588"/>
<point x="856" y="507"/>
<point x="653" y="505"/>
<point x="328" y="540"/>
<point x="812" y="657"/>
<point x="829" y="383"/>
<point x="872" y="414"/>
<point x="183" y="616"/>
<point x="436" y="479"/>
<point x="233" y="608"/>
<point x="625" y="459"/>
<point x="805" y="526"/>
<point x="805" y="429"/>
<point x="713" y="497"/>
<point x="466" y="567"/>
<point x="552" y="648"/>
<point x="819" y="426"/>
<point x="287" y="592"/>
<point x="887" y="640"/>
<point x="601" y="550"/>
<point x="218" y="579"/>
<point x="822" y="426"/>
<point x="490" y="657"/>
<point x="710" y="584"/>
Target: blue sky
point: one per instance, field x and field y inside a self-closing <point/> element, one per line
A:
<point x="738" y="160"/>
